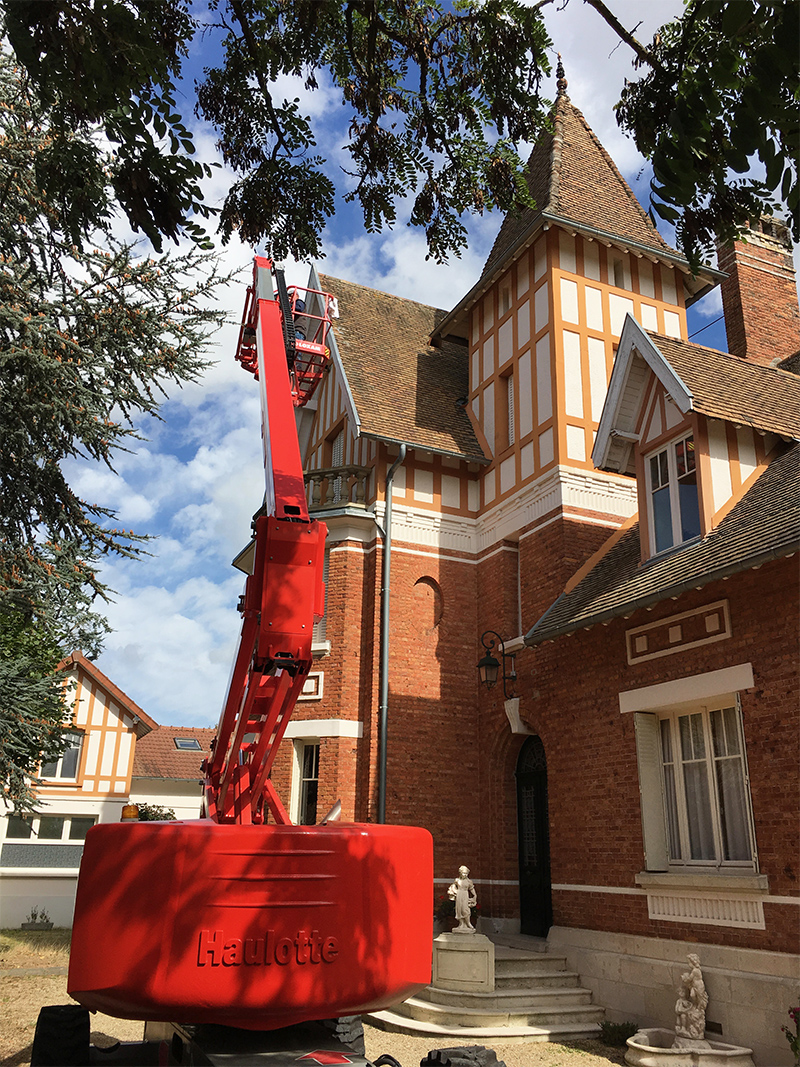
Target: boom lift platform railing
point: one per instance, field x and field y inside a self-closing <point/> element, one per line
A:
<point x="240" y="917"/>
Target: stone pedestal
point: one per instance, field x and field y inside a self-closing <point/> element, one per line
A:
<point x="463" y="962"/>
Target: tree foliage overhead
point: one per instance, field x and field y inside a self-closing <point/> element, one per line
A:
<point x="112" y="65"/>
<point x="722" y="89"/>
<point x="437" y="97"/>
<point x="90" y="338"/>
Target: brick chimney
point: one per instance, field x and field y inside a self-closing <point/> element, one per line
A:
<point x="759" y="296"/>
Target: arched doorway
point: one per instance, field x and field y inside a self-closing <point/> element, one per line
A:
<point x="536" y="908"/>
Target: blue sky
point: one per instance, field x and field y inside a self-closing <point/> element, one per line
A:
<point x="197" y="479"/>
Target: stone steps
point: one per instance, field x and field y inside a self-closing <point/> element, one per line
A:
<point x="535" y="999"/>
<point x="505" y="1001"/>
<point x="473" y="1014"/>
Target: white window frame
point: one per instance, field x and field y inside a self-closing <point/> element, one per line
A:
<point x="58" y="777"/>
<point x="298" y="781"/>
<point x="666" y="827"/>
<point x="673" y="486"/>
<point x="35" y="821"/>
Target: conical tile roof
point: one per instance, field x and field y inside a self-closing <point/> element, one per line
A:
<point x="572" y="178"/>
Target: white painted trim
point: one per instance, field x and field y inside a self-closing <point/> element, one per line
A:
<point x="688" y="690"/>
<point x="562" y="488"/>
<point x="621" y="890"/>
<point x="477" y="881"/>
<point x="634" y="339"/>
<point x="40" y="872"/>
<point x="349" y="402"/>
<point x="302" y="728"/>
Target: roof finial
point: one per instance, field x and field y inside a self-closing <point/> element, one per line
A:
<point x="561" y="81"/>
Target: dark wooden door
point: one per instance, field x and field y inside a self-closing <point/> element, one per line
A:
<point x="536" y="908"/>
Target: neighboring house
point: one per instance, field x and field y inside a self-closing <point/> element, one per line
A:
<point x="167" y="768"/>
<point x="97" y="775"/>
<point x="619" y="505"/>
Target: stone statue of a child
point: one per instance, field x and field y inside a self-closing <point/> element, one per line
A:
<point x="462" y="891"/>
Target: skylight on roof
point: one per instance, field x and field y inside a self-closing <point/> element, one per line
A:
<point x="187" y="744"/>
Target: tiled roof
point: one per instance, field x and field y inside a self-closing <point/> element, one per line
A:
<point x="570" y="175"/>
<point x="77" y="660"/>
<point x="734" y="389"/>
<point x="157" y="757"/>
<point x="402" y="387"/>
<point x="791" y="363"/>
<point x="764" y="525"/>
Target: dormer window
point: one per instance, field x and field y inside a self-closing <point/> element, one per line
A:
<point x="672" y="489"/>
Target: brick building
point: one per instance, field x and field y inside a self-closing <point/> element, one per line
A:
<point x="565" y="469"/>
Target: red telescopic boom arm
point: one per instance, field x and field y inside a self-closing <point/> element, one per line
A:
<point x="285" y="594"/>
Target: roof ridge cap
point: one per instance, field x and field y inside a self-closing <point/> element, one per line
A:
<point x="554" y="183"/>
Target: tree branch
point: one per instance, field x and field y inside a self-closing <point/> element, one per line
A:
<point x="252" y="47"/>
<point x="643" y="53"/>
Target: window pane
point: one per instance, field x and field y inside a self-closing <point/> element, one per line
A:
<point x="666" y="741"/>
<point x="693" y="744"/>
<point x="18" y="829"/>
<point x="690" y="461"/>
<point x="696" y="788"/>
<point x="79" y="827"/>
<point x="680" y="458"/>
<point x="309" y="786"/>
<point x="308" y="805"/>
<point x="672" y="813"/>
<point x="69" y="761"/>
<point x="51" y="827"/>
<point x="725" y="731"/>
<point x="663" y="462"/>
<point x="662" y="519"/>
<point x="731" y="785"/>
<point x="310" y="761"/>
<point x="733" y="810"/>
<point x="49" y="769"/>
<point x="689" y="506"/>
<point x="698" y="810"/>
<point x="670" y="793"/>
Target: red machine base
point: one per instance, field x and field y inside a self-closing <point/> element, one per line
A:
<point x="251" y="926"/>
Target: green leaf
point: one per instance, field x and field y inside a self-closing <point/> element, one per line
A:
<point x="736" y="14"/>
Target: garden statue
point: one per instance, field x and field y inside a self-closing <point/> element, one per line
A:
<point x="462" y="891"/>
<point x="692" y="1002"/>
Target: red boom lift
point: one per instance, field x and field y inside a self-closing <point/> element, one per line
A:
<point x="240" y="917"/>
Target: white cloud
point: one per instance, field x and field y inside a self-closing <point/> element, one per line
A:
<point x="171" y="650"/>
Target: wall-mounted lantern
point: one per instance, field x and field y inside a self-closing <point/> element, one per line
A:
<point x="489" y="666"/>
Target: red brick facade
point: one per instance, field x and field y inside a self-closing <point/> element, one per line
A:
<point x="759" y="296"/>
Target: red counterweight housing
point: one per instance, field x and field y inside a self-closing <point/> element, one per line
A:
<point x="251" y="926"/>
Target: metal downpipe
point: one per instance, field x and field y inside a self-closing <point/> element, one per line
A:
<point x="383" y="667"/>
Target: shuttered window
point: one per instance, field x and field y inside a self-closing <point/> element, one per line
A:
<point x="694" y="788"/>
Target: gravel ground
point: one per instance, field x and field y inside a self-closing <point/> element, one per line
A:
<point x="23" y="992"/>
<point x="408" y="1051"/>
